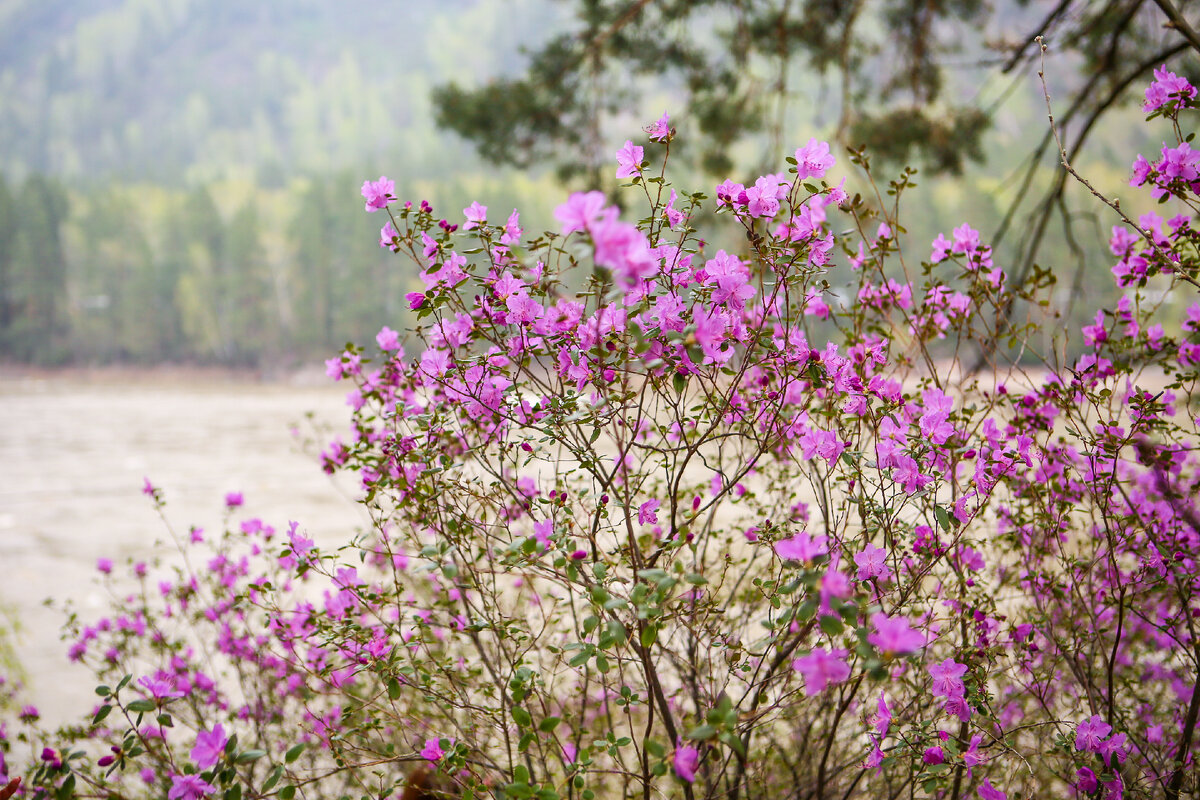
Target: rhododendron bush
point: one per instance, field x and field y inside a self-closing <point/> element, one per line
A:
<point x="653" y="520"/>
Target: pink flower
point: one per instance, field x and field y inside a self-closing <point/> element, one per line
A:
<point x="802" y="547"/>
<point x="660" y="131"/>
<point x="947" y="678"/>
<point x="160" y="687"/>
<point x="580" y="211"/>
<point x="934" y="755"/>
<point x="646" y="513"/>
<point x="822" y="669"/>
<point x="512" y="229"/>
<point x="1085" y="780"/>
<point x="629" y="160"/>
<point x="209" y="746"/>
<point x="687" y="759"/>
<point x="872" y="563"/>
<point x="1166" y="87"/>
<point x="476" y="215"/>
<point x="894" y="635"/>
<point x="989" y="792"/>
<point x="189" y="787"/>
<point x="387" y="234"/>
<point x="378" y="193"/>
<point x="387" y="339"/>
<point x="1090" y="733"/>
<point x="813" y="160"/>
<point x="432" y="751"/>
<point x="104" y="565"/>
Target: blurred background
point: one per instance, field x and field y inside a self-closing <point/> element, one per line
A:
<point x="182" y="240"/>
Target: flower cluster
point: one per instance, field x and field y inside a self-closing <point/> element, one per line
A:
<point x="653" y="517"/>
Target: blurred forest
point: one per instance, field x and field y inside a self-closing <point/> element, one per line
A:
<point x="179" y="178"/>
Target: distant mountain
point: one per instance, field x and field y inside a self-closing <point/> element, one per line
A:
<point x="172" y="90"/>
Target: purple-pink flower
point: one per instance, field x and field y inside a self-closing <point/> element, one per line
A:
<point x="686" y="761"/>
<point x="209" y="746"/>
<point x="802" y="547"/>
<point x="947" y="678"/>
<point x="647" y="512"/>
<point x="813" y="160"/>
<point x="1090" y="733"/>
<point x="989" y="792"/>
<point x="378" y="193"/>
<point x="387" y="339"/>
<point x="189" y="787"/>
<point x="894" y="635"/>
<point x="822" y="669"/>
<point x="476" y="215"/>
<point x="432" y="751"/>
<point x="660" y="130"/>
<point x="872" y="563"/>
<point x="629" y="160"/>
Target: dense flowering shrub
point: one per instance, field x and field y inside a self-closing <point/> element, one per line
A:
<point x="652" y="520"/>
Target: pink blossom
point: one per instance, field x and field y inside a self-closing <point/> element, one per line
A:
<point x="947" y="678"/>
<point x="989" y="792"/>
<point x="512" y="229"/>
<point x="686" y="761"/>
<point x="813" y="160"/>
<point x="646" y="513"/>
<point x="822" y="669"/>
<point x="189" y="787"/>
<point x="894" y="635"/>
<point x="378" y="193"/>
<point x="629" y="160"/>
<point x="802" y="547"/>
<point x="476" y="215"/>
<point x="1090" y="733"/>
<point x="872" y="563"/>
<point x="660" y="130"/>
<point x="387" y="234"/>
<point x="209" y="746"/>
<point x="432" y="751"/>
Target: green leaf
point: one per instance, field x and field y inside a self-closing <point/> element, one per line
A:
<point x="549" y="724"/>
<point x="250" y="755"/>
<point x="832" y="626"/>
<point x="393" y="689"/>
<point x="734" y="742"/>
<point x="234" y="792"/>
<point x="287" y="792"/>
<point x="649" y="635"/>
<point x="165" y="720"/>
<point x="141" y="706"/>
<point x="521" y="773"/>
<point x="273" y="778"/>
<point x="101" y="713"/>
<point x="521" y="717"/>
<point x="293" y="752"/>
<point x="701" y="732"/>
<point x="942" y="517"/>
<point x="103" y="691"/>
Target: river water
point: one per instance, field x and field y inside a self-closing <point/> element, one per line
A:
<point x="74" y="451"/>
